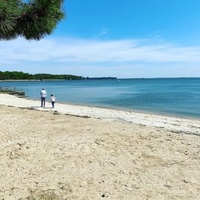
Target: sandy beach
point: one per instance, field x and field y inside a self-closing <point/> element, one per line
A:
<point x="84" y="153"/>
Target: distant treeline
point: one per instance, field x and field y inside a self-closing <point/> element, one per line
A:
<point x="15" y="75"/>
<point x="94" y="78"/>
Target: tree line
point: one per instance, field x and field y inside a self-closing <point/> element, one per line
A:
<point x="15" y="75"/>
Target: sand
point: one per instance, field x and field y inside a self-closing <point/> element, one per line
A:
<point x="84" y="153"/>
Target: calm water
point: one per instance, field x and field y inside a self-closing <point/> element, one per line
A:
<point x="178" y="96"/>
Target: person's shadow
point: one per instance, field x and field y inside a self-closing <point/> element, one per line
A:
<point x="37" y="107"/>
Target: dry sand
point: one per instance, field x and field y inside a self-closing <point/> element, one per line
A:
<point x="85" y="153"/>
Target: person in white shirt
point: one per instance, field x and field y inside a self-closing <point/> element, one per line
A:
<point x="53" y="99"/>
<point x="43" y="94"/>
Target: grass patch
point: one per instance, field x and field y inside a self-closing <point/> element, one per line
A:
<point x="12" y="92"/>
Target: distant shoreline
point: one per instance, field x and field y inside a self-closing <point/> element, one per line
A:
<point x="27" y="80"/>
<point x="11" y="80"/>
<point x="100" y="78"/>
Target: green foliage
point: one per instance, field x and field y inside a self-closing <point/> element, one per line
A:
<point x="12" y="92"/>
<point x="33" y="19"/>
<point x="15" y="75"/>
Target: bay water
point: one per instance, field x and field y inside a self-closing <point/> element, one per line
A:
<point x="168" y="96"/>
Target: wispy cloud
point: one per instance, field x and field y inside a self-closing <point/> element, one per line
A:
<point x="95" y="57"/>
<point x="102" y="33"/>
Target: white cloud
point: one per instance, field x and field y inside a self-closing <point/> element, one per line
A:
<point x="122" y="58"/>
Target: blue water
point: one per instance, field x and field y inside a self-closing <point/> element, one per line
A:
<point x="169" y="96"/>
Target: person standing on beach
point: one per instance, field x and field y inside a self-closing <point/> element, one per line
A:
<point x="43" y="94"/>
<point x="53" y="99"/>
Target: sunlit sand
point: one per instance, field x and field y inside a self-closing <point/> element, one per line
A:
<point x="76" y="152"/>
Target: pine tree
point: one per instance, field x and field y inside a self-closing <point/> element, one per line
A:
<point x="33" y="19"/>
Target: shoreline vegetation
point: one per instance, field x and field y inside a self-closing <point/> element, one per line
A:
<point x="77" y="152"/>
<point x="14" y="76"/>
<point x="21" y="76"/>
<point x="11" y="90"/>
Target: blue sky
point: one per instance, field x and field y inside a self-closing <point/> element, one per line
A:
<point x="124" y="39"/>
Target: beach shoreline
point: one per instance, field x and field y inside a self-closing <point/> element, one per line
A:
<point x="84" y="153"/>
<point x="173" y="123"/>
